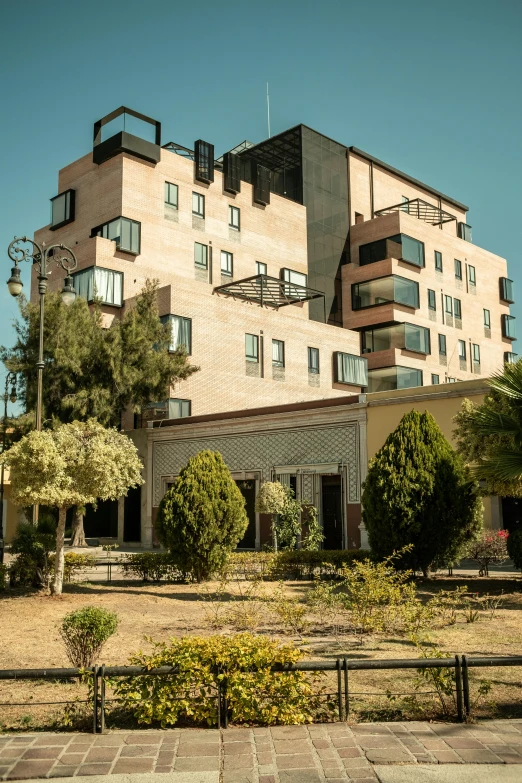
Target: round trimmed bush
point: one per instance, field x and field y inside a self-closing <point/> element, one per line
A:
<point x="85" y="631"/>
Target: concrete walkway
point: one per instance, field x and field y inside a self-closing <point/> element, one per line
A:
<point x="283" y="754"/>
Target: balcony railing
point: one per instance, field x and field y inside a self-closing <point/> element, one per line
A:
<point x="420" y="209"/>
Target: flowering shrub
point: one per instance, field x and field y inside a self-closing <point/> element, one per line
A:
<point x="489" y="549"/>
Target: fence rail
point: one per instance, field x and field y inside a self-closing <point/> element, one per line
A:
<point x="342" y="666"/>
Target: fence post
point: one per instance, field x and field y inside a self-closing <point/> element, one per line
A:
<point x="346" y="692"/>
<point x="458" y="685"/>
<point x="102" y="700"/>
<point x="94" y="699"/>
<point x="339" y="689"/>
<point x="225" y="704"/>
<point x="218" y="685"/>
<point x="465" y="684"/>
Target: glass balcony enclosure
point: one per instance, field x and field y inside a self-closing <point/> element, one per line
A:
<point x="507" y="293"/>
<point x="400" y="246"/>
<point x="509" y="327"/>
<point x="98" y="283"/>
<point x="384" y="290"/>
<point x="390" y="378"/>
<point x="403" y="336"/>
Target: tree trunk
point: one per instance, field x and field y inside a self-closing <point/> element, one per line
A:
<point x="78" y="533"/>
<point x="274" y="531"/>
<point x="56" y="587"/>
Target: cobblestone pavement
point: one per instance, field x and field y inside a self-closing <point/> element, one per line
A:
<point x="283" y="754"/>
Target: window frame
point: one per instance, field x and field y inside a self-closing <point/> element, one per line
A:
<point x="432" y="300"/>
<point x="448" y="299"/>
<point x="168" y="186"/>
<point x="433" y="382"/>
<point x="458" y="269"/>
<point x="182" y="401"/>
<point x="261" y="263"/>
<point x="459" y="308"/>
<point x="487" y="323"/>
<point x="98" y="232"/>
<point x="227" y="272"/>
<point x="472" y="279"/>
<point x="438" y="258"/>
<point x="69" y="210"/>
<point x="278" y="362"/>
<point x="200" y="266"/>
<point x="168" y="319"/>
<point x="463" y="353"/>
<point x="74" y="275"/>
<point x="254" y="357"/>
<point x="443" y="345"/>
<point x="232" y="210"/>
<point x="476" y="353"/>
<point x="200" y="200"/>
<point x="314" y="370"/>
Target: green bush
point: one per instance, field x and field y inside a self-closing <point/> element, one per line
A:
<point x="85" y="631"/>
<point x="419" y="492"/>
<point x="4" y="574"/>
<point x="151" y="566"/>
<point x="32" y="546"/>
<point x="259" y="696"/>
<point x="202" y="516"/>
<point x="514" y="548"/>
<point x="305" y="564"/>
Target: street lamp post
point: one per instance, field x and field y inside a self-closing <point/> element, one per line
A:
<point x="25" y="249"/>
<point x="9" y="381"/>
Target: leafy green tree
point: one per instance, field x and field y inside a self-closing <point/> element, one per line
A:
<point x="92" y="371"/>
<point x="288" y="515"/>
<point x="71" y="465"/>
<point x="419" y="492"/>
<point x="202" y="517"/>
<point x="489" y="436"/>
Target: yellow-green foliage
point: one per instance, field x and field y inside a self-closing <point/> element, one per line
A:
<point x="259" y="696"/>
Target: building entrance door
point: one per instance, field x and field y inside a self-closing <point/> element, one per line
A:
<point x="331" y="501"/>
<point x="248" y="490"/>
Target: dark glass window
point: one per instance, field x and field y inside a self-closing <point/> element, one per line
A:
<point x="171" y="194"/>
<point x="351" y="369"/>
<point x="234" y="218"/>
<point x="510" y="358"/>
<point x="232" y="172"/>
<point x="462" y="350"/>
<point x="432" y="302"/>
<point x="98" y="283"/>
<point x="442" y="344"/>
<point x="313" y="360"/>
<point x="179" y="409"/>
<point x="458" y="269"/>
<point x="261" y="268"/>
<point x="278" y="353"/>
<point x="261" y="183"/>
<point x="389" y="378"/>
<point x="476" y="353"/>
<point x="384" y="290"/>
<point x="471" y="275"/>
<point x="126" y="233"/>
<point x="438" y="261"/>
<point x="226" y="263"/>
<point x="400" y="246"/>
<point x="412" y="250"/>
<point x="198" y="205"/>
<point x="204" y="161"/>
<point x="417" y="338"/>
<point x="200" y="255"/>
<point x="487" y="319"/>
<point x="62" y="209"/>
<point x="457" y="309"/>
<point x="181" y="332"/>
<point x="507" y="293"/>
<point x="251" y="347"/>
<point x="435" y="379"/>
<point x="508" y="326"/>
<point x="448" y="305"/>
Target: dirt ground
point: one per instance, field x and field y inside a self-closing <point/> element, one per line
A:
<point x="30" y="638"/>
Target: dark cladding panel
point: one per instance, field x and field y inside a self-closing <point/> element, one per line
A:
<point x="232" y="172"/>
<point x="204" y="161"/>
<point x="261" y="183"/>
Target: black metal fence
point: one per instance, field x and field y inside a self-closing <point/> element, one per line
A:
<point x="342" y="666"/>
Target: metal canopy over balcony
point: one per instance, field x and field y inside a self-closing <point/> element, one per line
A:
<point x="420" y="209"/>
<point x="269" y="291"/>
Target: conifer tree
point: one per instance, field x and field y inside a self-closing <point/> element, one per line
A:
<point x="202" y="517"/>
<point x="418" y="491"/>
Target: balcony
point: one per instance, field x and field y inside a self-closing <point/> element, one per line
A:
<point x="391" y="378"/>
<point x="420" y="209"/>
<point x="509" y="327"/>
<point x="269" y="291"/>
<point x="507" y="290"/>
<point x="400" y="246"/>
<point x="407" y="337"/>
<point x="385" y="290"/>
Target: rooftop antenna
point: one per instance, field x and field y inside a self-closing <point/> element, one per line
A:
<point x="268" y="108"/>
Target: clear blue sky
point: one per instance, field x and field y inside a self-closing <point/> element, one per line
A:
<point x="433" y="88"/>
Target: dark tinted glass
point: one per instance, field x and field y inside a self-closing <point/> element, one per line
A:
<point x="204" y="161"/>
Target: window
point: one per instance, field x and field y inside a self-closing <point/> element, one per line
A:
<point x="435" y="379"/>
<point x="261" y="183"/>
<point x="487" y="319"/>
<point x="432" y="304"/>
<point x="404" y="200"/>
<point x="278" y="353"/>
<point x="471" y="275"/>
<point x="359" y="218"/>
<point x="251" y="347"/>
<point x="458" y="269"/>
<point x="233" y="218"/>
<point x="400" y="246"/>
<point x="389" y="378"/>
<point x="125" y="232"/>
<point x="451" y="380"/>
<point x="181" y="332"/>
<point x="179" y="409"/>
<point x="510" y="358"/>
<point x="294" y="277"/>
<point x="62" y="209"/>
<point x="462" y="350"/>
<point x="351" y="369"/>
<point x="313" y="360"/>
<point x="383" y="290"/>
<point x="476" y="353"/>
<point x="438" y="261"/>
<point x="261" y="269"/>
<point x="442" y="344"/>
<point x="98" y="283"/>
<point x="171" y="194"/>
<point x="508" y="326"/>
<point x="232" y="172"/>
<point x="457" y="309"/>
<point x="507" y="293"/>
<point x="417" y="338"/>
<point x="412" y="250"/>
<point x="200" y="255"/>
<point x="448" y="305"/>
<point x="226" y="263"/>
<point x="204" y="161"/>
<point x="198" y="205"/>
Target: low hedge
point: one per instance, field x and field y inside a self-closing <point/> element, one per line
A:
<point x="305" y="564"/>
<point x="151" y="566"/>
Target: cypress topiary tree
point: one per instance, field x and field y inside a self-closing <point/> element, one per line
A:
<point x="418" y="491"/>
<point x="202" y="516"/>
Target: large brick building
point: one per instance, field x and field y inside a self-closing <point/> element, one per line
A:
<point x="294" y="271"/>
